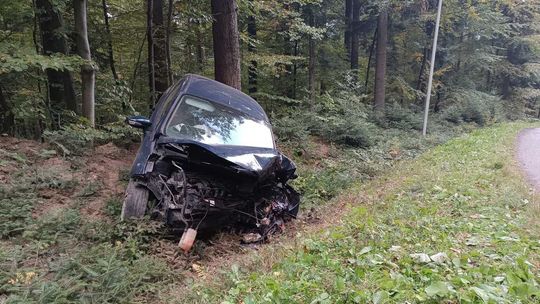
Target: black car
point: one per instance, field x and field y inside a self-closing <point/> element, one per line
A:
<point x="209" y="160"/>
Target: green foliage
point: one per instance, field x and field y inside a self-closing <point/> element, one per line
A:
<point x="50" y="227"/>
<point x="473" y="106"/>
<point x="15" y="211"/>
<point x="77" y="138"/>
<point x="102" y="274"/>
<point x="20" y="63"/>
<point x="433" y="236"/>
<point x="402" y="118"/>
<point x="113" y="207"/>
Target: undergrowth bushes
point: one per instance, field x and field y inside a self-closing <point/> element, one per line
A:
<point x="76" y="138"/>
<point x="473" y="106"/>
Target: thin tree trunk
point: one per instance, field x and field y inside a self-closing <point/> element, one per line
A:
<point x="161" y="76"/>
<point x="226" y="43"/>
<point x="150" y="44"/>
<point x="380" y="71"/>
<point x="294" y="71"/>
<point x="168" y="40"/>
<point x="109" y="39"/>
<point x="87" y="70"/>
<point x="371" y="50"/>
<point x="6" y="116"/>
<point x="135" y="70"/>
<point x="201" y="54"/>
<point x="422" y="67"/>
<point x="311" y="65"/>
<point x="61" y="93"/>
<point x="348" y="21"/>
<point x="355" y="39"/>
<point x="252" y="72"/>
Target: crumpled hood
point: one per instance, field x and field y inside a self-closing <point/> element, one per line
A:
<point x="259" y="162"/>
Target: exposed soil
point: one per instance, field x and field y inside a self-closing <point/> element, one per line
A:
<point x="528" y="153"/>
<point x="89" y="180"/>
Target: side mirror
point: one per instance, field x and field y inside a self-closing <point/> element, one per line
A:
<point x="139" y="122"/>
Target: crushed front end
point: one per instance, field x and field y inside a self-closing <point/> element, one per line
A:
<point x="200" y="190"/>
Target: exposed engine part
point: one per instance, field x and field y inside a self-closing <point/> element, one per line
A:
<point x="198" y="200"/>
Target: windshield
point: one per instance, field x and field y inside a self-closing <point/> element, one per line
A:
<point x="213" y="124"/>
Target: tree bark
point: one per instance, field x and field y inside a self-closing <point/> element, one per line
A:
<point x="160" y="49"/>
<point x="150" y="44"/>
<point x="380" y="70"/>
<point x="311" y="65"/>
<point x="201" y="54"/>
<point x="422" y="67"/>
<point x="371" y="50"/>
<point x="348" y="21"/>
<point x="226" y="43"/>
<point x="252" y="71"/>
<point x="355" y="39"/>
<point x="168" y="40"/>
<point x="6" y="116"/>
<point x="61" y="93"/>
<point x="88" y="74"/>
<point x="109" y="39"/>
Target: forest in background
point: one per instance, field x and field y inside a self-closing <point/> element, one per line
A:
<point x="339" y="70"/>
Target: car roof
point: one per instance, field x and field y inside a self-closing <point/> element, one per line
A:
<point x="218" y="92"/>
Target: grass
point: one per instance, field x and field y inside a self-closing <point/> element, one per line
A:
<point x="463" y="204"/>
<point x="457" y="225"/>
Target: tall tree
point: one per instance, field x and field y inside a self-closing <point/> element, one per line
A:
<point x="60" y="83"/>
<point x="109" y="38"/>
<point x="6" y="114"/>
<point x="157" y="35"/>
<point x="150" y="42"/>
<point x="348" y="21"/>
<point x="226" y="42"/>
<point x="312" y="59"/>
<point x="380" y="69"/>
<point x="168" y="39"/>
<point x="88" y="73"/>
<point x="355" y="38"/>
<point x="252" y="70"/>
<point x="160" y="45"/>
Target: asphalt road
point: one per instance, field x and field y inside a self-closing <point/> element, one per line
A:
<point x="529" y="155"/>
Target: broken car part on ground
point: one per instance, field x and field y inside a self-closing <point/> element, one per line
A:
<point x="208" y="160"/>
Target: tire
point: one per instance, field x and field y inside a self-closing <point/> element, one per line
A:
<point x="135" y="201"/>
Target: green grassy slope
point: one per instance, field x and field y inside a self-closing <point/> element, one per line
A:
<point x="456" y="225"/>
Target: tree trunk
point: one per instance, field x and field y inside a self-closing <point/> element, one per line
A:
<point x="422" y="67"/>
<point x="168" y="40"/>
<point x="61" y="93"/>
<point x="160" y="49"/>
<point x="252" y="72"/>
<point x="201" y="54"/>
<point x="380" y="70"/>
<point x="88" y="74"/>
<point x="150" y="39"/>
<point x="226" y="43"/>
<point x="6" y="116"/>
<point x="311" y="65"/>
<point x="355" y="39"/>
<point x="348" y="20"/>
<point x="371" y="49"/>
<point x="109" y="39"/>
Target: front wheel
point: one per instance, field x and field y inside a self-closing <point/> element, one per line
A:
<point x="135" y="201"/>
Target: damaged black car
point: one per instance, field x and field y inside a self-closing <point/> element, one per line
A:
<point x="208" y="160"/>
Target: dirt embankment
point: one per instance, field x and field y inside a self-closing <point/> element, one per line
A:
<point x="91" y="180"/>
